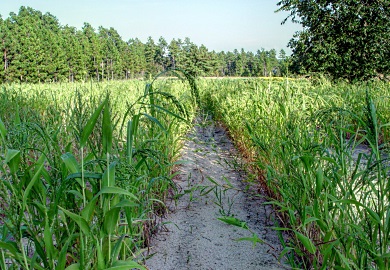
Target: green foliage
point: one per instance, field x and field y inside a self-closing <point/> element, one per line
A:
<point x="36" y="48"/>
<point x="322" y="150"/>
<point x="345" y="39"/>
<point x="76" y="191"/>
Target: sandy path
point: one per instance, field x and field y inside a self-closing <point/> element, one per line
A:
<point x="195" y="238"/>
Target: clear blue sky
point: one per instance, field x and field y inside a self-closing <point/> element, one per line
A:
<point x="221" y="25"/>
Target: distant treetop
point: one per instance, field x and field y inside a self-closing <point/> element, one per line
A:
<point x="36" y="48"/>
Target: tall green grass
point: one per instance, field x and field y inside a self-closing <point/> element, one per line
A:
<point x="85" y="170"/>
<point x="322" y="149"/>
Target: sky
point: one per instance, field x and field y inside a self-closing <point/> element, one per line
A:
<point x="220" y="25"/>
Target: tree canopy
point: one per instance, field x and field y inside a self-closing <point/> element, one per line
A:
<point x="37" y="48"/>
<point x="345" y="39"/>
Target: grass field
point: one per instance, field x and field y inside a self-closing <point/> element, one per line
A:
<point x="321" y="152"/>
<point x="86" y="167"/>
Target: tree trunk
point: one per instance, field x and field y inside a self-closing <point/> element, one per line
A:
<point x="112" y="71"/>
<point x="5" y="60"/>
<point x="102" y="65"/>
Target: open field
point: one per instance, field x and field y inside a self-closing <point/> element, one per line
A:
<point x="321" y="152"/>
<point x="85" y="168"/>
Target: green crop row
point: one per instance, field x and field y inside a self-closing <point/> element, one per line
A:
<point x="321" y="150"/>
<point x="85" y="169"/>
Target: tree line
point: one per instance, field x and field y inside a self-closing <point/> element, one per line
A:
<point x="37" y="48"/>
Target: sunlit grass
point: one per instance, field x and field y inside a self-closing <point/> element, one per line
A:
<point x="86" y="167"/>
<point x="304" y="136"/>
<point x="85" y="170"/>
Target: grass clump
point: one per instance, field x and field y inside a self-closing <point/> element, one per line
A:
<point x="322" y="150"/>
<point x="84" y="171"/>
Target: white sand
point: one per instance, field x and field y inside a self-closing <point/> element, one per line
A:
<point x="195" y="238"/>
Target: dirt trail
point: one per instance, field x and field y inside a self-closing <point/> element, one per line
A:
<point x="193" y="237"/>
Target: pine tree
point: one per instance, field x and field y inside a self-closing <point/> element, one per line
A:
<point x="27" y="61"/>
<point x="4" y="59"/>
<point x="137" y="59"/>
<point x="283" y="63"/>
<point x="230" y="64"/>
<point x="94" y="52"/>
<point x="54" y="64"/>
<point x="74" y="47"/>
<point x="117" y="54"/>
<point x="151" y="51"/>
<point x="273" y="64"/>
<point x="112" y="46"/>
<point x="221" y="64"/>
<point x="175" y="54"/>
<point x="161" y="57"/>
<point x="249" y="66"/>
<point x="215" y="65"/>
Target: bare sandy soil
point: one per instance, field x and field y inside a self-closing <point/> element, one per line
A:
<point x="192" y="237"/>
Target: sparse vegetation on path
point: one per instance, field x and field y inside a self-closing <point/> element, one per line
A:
<point x="212" y="189"/>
